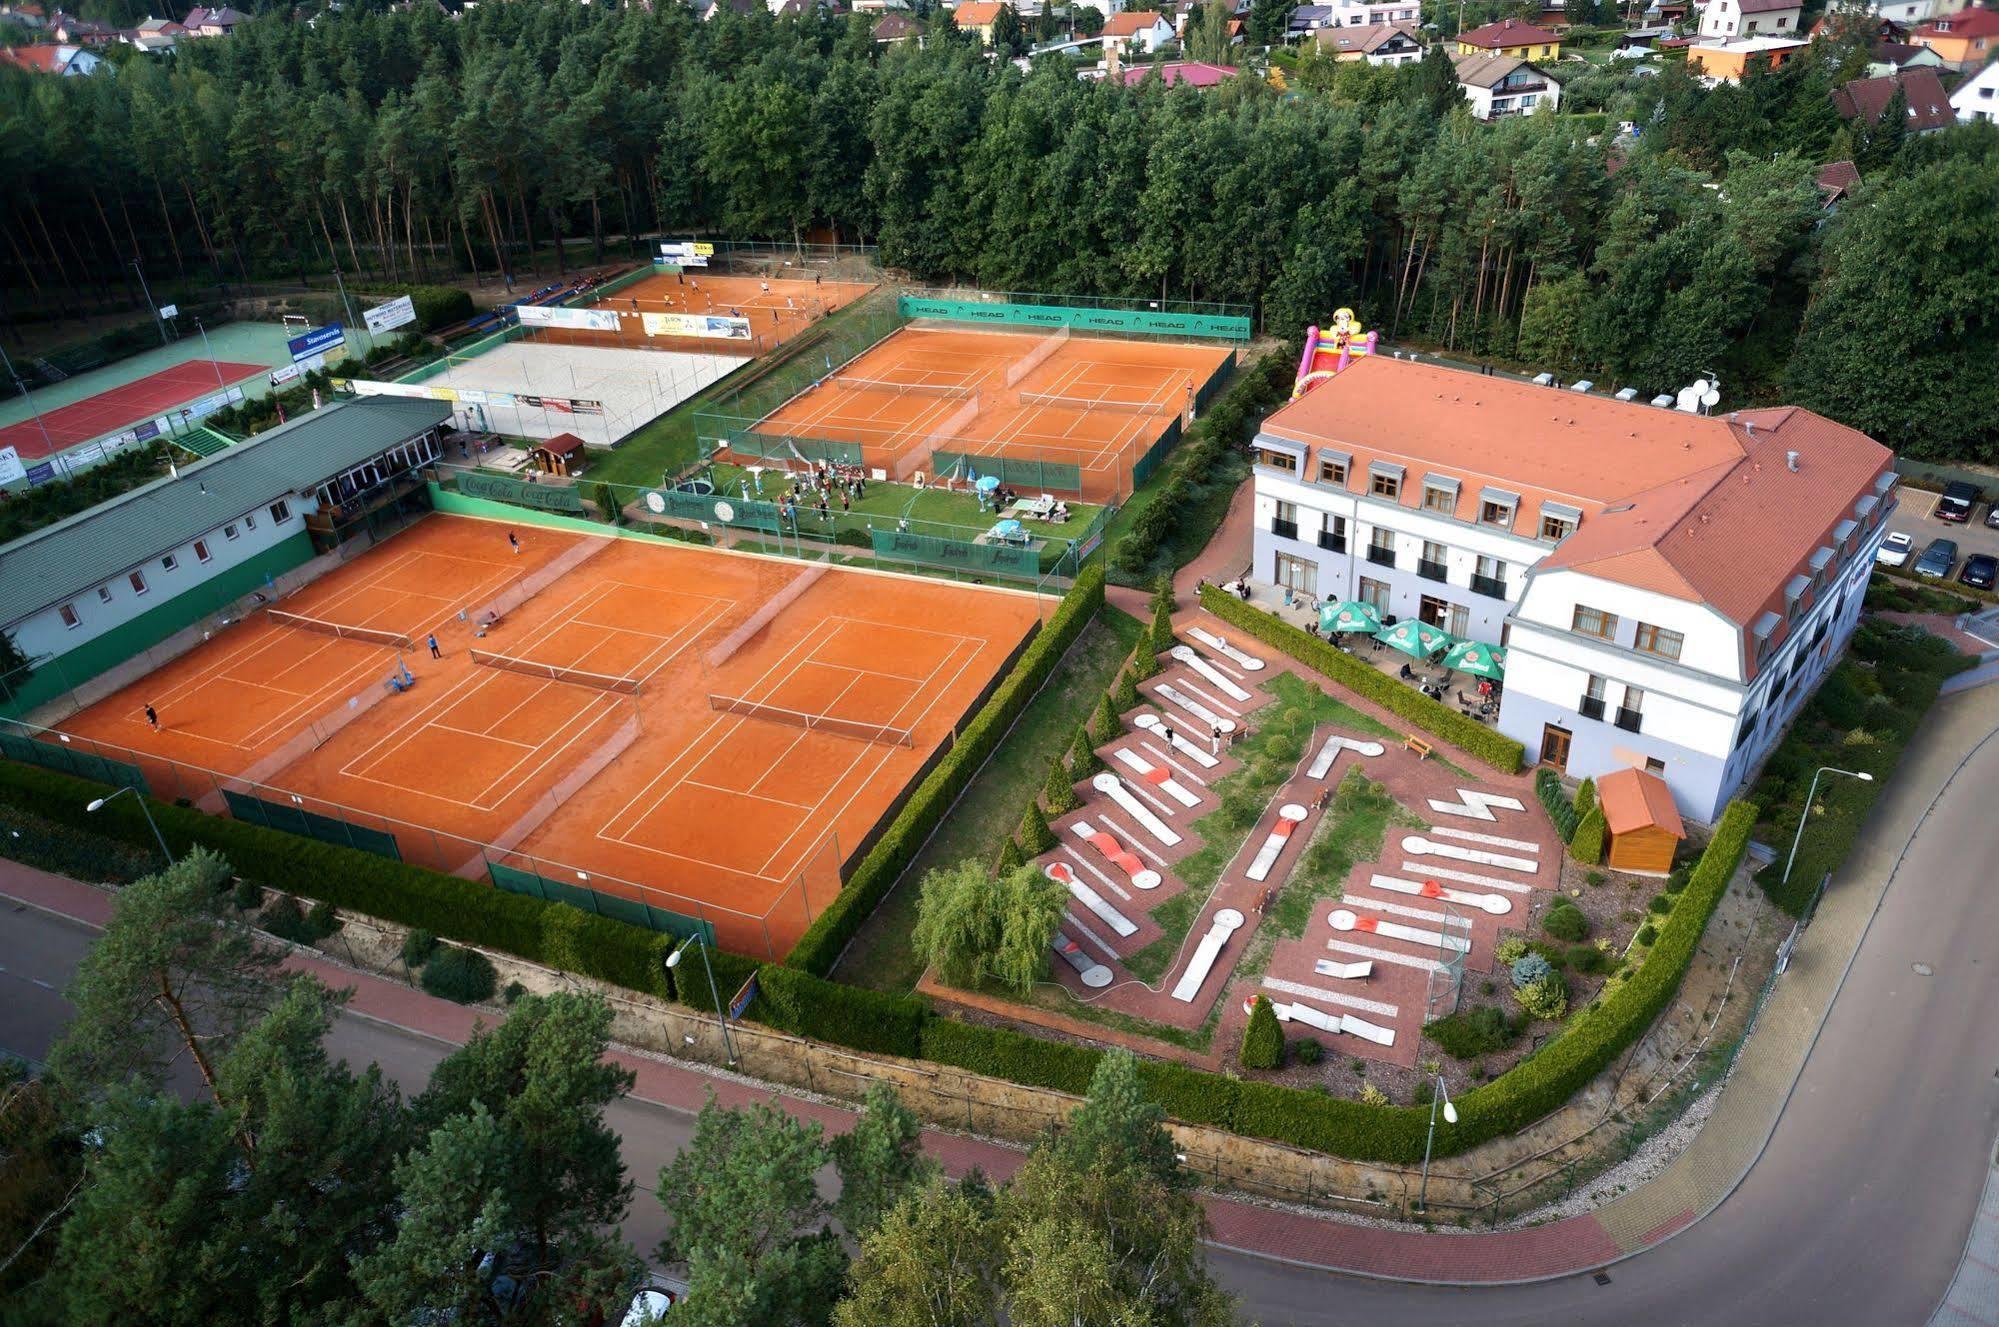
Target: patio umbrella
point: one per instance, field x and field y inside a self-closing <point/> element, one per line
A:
<point x="1476" y="658"/>
<point x="1418" y="640"/>
<point x="1349" y="615"/>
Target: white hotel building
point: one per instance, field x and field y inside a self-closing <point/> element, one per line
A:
<point x="1670" y="587"/>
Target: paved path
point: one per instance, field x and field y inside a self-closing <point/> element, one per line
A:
<point x="1856" y="1213"/>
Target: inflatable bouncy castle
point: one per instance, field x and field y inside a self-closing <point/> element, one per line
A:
<point x="1330" y="350"/>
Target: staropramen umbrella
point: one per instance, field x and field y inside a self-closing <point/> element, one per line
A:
<point x="1418" y="640"/>
<point x="1476" y="658"/>
<point x="1350" y="615"/>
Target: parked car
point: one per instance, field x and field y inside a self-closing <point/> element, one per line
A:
<point x="1956" y="503"/>
<point x="1992" y="516"/>
<point x="1938" y="559"/>
<point x="1896" y="549"/>
<point x="1980" y="571"/>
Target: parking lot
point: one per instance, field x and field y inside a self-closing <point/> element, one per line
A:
<point x="1914" y="519"/>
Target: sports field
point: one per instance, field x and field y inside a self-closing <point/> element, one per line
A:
<point x="777" y="309"/>
<point x="1098" y="405"/>
<point x="145" y="398"/>
<point x="713" y="733"/>
<point x="509" y="388"/>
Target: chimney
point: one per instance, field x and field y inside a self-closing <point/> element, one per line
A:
<point x="1791" y="460"/>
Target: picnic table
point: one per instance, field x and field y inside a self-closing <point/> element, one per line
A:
<point x="1040" y="508"/>
<point x="1008" y="532"/>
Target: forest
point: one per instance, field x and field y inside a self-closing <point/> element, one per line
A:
<point x="409" y="146"/>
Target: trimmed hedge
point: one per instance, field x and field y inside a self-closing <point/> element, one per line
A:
<point x="1548" y="787"/>
<point x="551" y="933"/>
<point x="1014" y="1056"/>
<point x="798" y="1002"/>
<point x="690" y="979"/>
<point x="1586" y="845"/>
<point x="820" y="946"/>
<point x="1502" y="753"/>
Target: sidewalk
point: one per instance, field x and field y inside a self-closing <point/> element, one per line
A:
<point x="1692" y="1185"/>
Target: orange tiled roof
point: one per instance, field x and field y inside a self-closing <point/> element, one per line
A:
<point x="976" y="13"/>
<point x="1638" y="799"/>
<point x="1508" y="32"/>
<point x="1130" y="23"/>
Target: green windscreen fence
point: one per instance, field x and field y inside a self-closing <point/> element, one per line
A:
<point x="311" y="825"/>
<point x="542" y="497"/>
<point x="1014" y="471"/>
<point x="1142" y="469"/>
<point x="630" y="911"/>
<point x="784" y="448"/>
<point x="720" y="508"/>
<point x="958" y="554"/>
<point x="69" y="760"/>
<point x="1082" y="318"/>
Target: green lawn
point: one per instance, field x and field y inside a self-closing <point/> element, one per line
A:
<point x="928" y="510"/>
<point x="991" y="808"/>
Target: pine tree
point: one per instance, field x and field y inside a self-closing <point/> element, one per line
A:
<point x="1585" y="799"/>
<point x="1145" y="663"/>
<point x="1104" y="725"/>
<point x="1587" y="846"/>
<point x="1009" y="856"/>
<point x="1162" y="624"/>
<point x="1126" y="696"/>
<point x="1083" y="760"/>
<point x="1060" y="792"/>
<point x="1035" y="836"/>
<point x="1263" y="1039"/>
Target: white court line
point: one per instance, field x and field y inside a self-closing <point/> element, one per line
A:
<point x="774" y="801"/>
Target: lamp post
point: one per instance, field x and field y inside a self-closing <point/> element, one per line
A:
<point x="159" y="837"/>
<point x="1450" y="1117"/>
<point x="211" y="356"/>
<point x="1806" y="814"/>
<point x="673" y="961"/>
<point x="147" y="291"/>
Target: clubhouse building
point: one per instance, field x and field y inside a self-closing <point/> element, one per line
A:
<point x="1670" y="587"/>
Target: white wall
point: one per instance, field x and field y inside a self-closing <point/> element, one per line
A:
<point x="1712" y="643"/>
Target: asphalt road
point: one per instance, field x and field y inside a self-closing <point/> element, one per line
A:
<point x="1856" y="1214"/>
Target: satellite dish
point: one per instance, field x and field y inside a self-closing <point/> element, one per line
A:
<point x="1710" y="397"/>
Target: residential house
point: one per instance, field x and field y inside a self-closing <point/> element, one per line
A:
<point x="58" y="58"/>
<point x="979" y="16"/>
<point x="155" y="35"/>
<point x="879" y="6"/>
<point x="1501" y="85"/>
<point x="1728" y="61"/>
<point x="1904" y="13"/>
<point x="1977" y="98"/>
<point x="26" y="13"/>
<point x="1929" y="109"/>
<point x="1670" y="587"/>
<point x="1375" y="13"/>
<point x="1889" y="57"/>
<point x="1104" y="7"/>
<point x="213" y="22"/>
<point x="894" y="28"/>
<point x="91" y="591"/>
<point x="1836" y="179"/>
<point x="1965" y="40"/>
<point x="1142" y="30"/>
<point x="1522" y="41"/>
<point x="1178" y="73"/>
<point x="74" y="31"/>
<point x="1728" y="19"/>
<point x="1382" y="44"/>
<point x="1308" y="19"/>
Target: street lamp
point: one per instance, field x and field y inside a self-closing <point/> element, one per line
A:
<point x="1806" y="814"/>
<point x="1450" y="1117"/>
<point x="142" y="808"/>
<point x="673" y="961"/>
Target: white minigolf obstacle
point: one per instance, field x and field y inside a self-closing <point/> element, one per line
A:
<point x="1153" y="724"/>
<point x="1092" y="973"/>
<point x="1091" y="899"/>
<point x="1344" y="919"/>
<point x="1190" y="656"/>
<point x="1418" y="846"/>
<point x="1325" y="967"/>
<point x="1496" y="904"/>
<point x="1111" y="786"/>
<point x="1157" y="777"/>
<point x="1323" y="762"/>
<point x="1226" y="923"/>
<point x="1226" y="650"/>
<point x="1195" y="707"/>
<point x="1106" y="844"/>
<point x="1289" y="817"/>
<point x="1475" y="805"/>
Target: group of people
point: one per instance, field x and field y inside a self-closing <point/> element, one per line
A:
<point x="818" y="489"/>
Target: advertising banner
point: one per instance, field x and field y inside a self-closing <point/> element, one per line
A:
<point x="396" y="313"/>
<point x="547" y="497"/>
<point x="11" y="469"/>
<point x="582" y="320"/>
<point x="1139" y="322"/>
<point x="695" y="324"/>
<point x="317" y="343"/>
<point x="687" y="254"/>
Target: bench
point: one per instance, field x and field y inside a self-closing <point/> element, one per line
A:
<point x="1418" y="745"/>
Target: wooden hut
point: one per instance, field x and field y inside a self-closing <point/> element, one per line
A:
<point x="559" y="455"/>
<point x="1644" y="825"/>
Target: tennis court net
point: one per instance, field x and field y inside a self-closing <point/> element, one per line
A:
<point x="818" y="723"/>
<point x="948" y="391"/>
<point x="1166" y="400"/>
<point x="582" y="677"/>
<point x="372" y="635"/>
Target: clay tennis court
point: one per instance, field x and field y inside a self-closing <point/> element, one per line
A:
<point x="712" y="733"/>
<point x="1098" y="405"/>
<point x="107" y="412"/>
<point x="778" y="309"/>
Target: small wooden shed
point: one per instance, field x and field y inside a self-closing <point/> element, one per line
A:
<point x="1644" y="825"/>
<point x="559" y="455"/>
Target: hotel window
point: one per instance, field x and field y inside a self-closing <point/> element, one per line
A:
<point x="1381" y="547"/>
<point x="68" y="615"/>
<point x="1489" y="578"/>
<point x="1594" y="622"/>
<point x="201" y="550"/>
<point x="1437" y="497"/>
<point x="1657" y="640"/>
<point x="1556" y="526"/>
<point x="1333" y="470"/>
<point x="1433" y="564"/>
<point x="229" y="530"/>
<point x="1374" y="594"/>
<point x="169" y="562"/>
<point x="1284" y="461"/>
<point x="138" y="579"/>
<point x="1285" y="523"/>
<point x="1495" y="513"/>
<point x="103" y="594"/>
<point x="1591" y="706"/>
<point x="1333" y="534"/>
<point x="1630" y="709"/>
<point x="281" y="512"/>
<point x="1386" y="484"/>
<point x="249" y="520"/>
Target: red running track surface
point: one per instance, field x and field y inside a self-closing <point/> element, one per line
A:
<point x="107" y="412"/>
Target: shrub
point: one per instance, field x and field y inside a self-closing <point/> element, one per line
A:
<point x="1003" y="1053"/>
<point x="1010" y="857"/>
<point x="1546" y="998"/>
<point x="1161" y="636"/>
<point x="1659" y="903"/>
<point x="1307" y="1050"/>
<point x="1585" y="798"/>
<point x="248" y="895"/>
<point x="1060" y="791"/>
<point x="1509" y="949"/>
<point x="513" y="992"/>
<point x="607" y="505"/>
<point x="1565" y="921"/>
<point x="418" y="946"/>
<point x="1370" y="1095"/>
<point x="1502" y="753"/>
<point x="851" y="1016"/>
<point x="690" y="978"/>
<point x="1083" y="758"/>
<point x="1144" y="664"/>
<point x="322" y="920"/>
<point x="1263" y="1039"/>
<point x="1530" y="968"/>
<point x="1587" y="844"/>
<point x="1677" y="881"/>
<point x="461" y="975"/>
<point x="284" y="919"/>
<point x="1588" y="958"/>
<point x="1548" y="788"/>
<point x="1125" y="695"/>
<point x="1595" y="879"/>
<point x="1474" y="1032"/>
<point x="1035" y="836"/>
<point x="1104" y="725"/>
<point x="1648" y="935"/>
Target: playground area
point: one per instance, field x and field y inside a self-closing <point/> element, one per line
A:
<point x="1052" y="412"/>
<point x="683" y="737"/>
